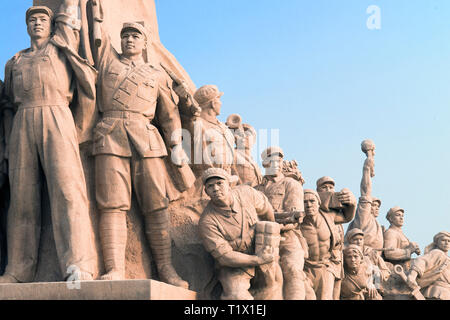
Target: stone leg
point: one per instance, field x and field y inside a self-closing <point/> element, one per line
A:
<point x="149" y="182"/>
<point x="44" y="146"/>
<point x="113" y="195"/>
<point x="113" y="236"/>
<point x="59" y="153"/>
<point x="24" y="216"/>
<point x="323" y="282"/>
<point x="235" y="283"/>
<point x="292" y="262"/>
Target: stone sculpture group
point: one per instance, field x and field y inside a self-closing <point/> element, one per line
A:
<point x="264" y="236"/>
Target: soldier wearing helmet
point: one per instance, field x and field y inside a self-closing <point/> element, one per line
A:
<point x="214" y="141"/>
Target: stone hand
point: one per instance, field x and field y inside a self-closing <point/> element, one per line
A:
<point x="346" y="197"/>
<point x="182" y="90"/>
<point x="414" y="247"/>
<point x="372" y="293"/>
<point x="411" y="279"/>
<point x="179" y="157"/>
<point x="266" y="256"/>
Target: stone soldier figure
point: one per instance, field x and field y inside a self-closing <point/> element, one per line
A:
<point x="368" y="206"/>
<point x="227" y="228"/>
<point x="320" y="232"/>
<point x="129" y="151"/>
<point x="286" y="195"/>
<point x="325" y="186"/>
<point x="43" y="144"/>
<point x="398" y="248"/>
<point x="213" y="141"/>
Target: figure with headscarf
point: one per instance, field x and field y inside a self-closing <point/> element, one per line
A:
<point x="372" y="257"/>
<point x="432" y="271"/>
<point x="358" y="283"/>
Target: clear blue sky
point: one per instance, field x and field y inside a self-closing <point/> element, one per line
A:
<point x="313" y="70"/>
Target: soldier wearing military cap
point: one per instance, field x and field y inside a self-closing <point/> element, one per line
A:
<point x="325" y="187"/>
<point x="227" y="228"/>
<point x="43" y="144"/>
<point x="134" y="97"/>
<point x="286" y="195"/>
<point x="398" y="248"/>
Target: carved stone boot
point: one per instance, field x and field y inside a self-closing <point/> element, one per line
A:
<point x="157" y="227"/>
<point x="7" y="278"/>
<point x="113" y="236"/>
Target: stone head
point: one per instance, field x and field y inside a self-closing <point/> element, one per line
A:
<point x="272" y="159"/>
<point x="375" y="209"/>
<point x="396" y="216"/>
<point x="442" y="241"/>
<point x="208" y="97"/>
<point x="312" y="202"/>
<point x="353" y="257"/>
<point x="356" y="236"/>
<point x="217" y="184"/>
<point x="133" y="39"/>
<point x="39" y="21"/>
<point x="325" y="184"/>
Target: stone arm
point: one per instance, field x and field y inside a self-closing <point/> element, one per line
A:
<point x="363" y="215"/>
<point x="347" y="214"/>
<point x="101" y="54"/>
<point x="167" y="114"/>
<point x="236" y="259"/>
<point x="215" y="243"/>
<point x="366" y="181"/>
<point x="262" y="205"/>
<point x="395" y="253"/>
<point x="68" y="24"/>
<point x="293" y="200"/>
<point x="426" y="263"/>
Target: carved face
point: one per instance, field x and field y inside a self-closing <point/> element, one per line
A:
<point x="397" y="219"/>
<point x="274" y="165"/>
<point x="311" y="205"/>
<point x="133" y="43"/>
<point x="326" y="187"/>
<point x="216" y="105"/>
<point x="357" y="240"/>
<point x="39" y="26"/>
<point x="375" y="209"/>
<point x="218" y="190"/>
<point x="444" y="244"/>
<point x="352" y="260"/>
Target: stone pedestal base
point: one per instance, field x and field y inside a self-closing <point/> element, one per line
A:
<point x="95" y="290"/>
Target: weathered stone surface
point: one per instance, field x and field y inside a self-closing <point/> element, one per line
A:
<point x="95" y="290"/>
